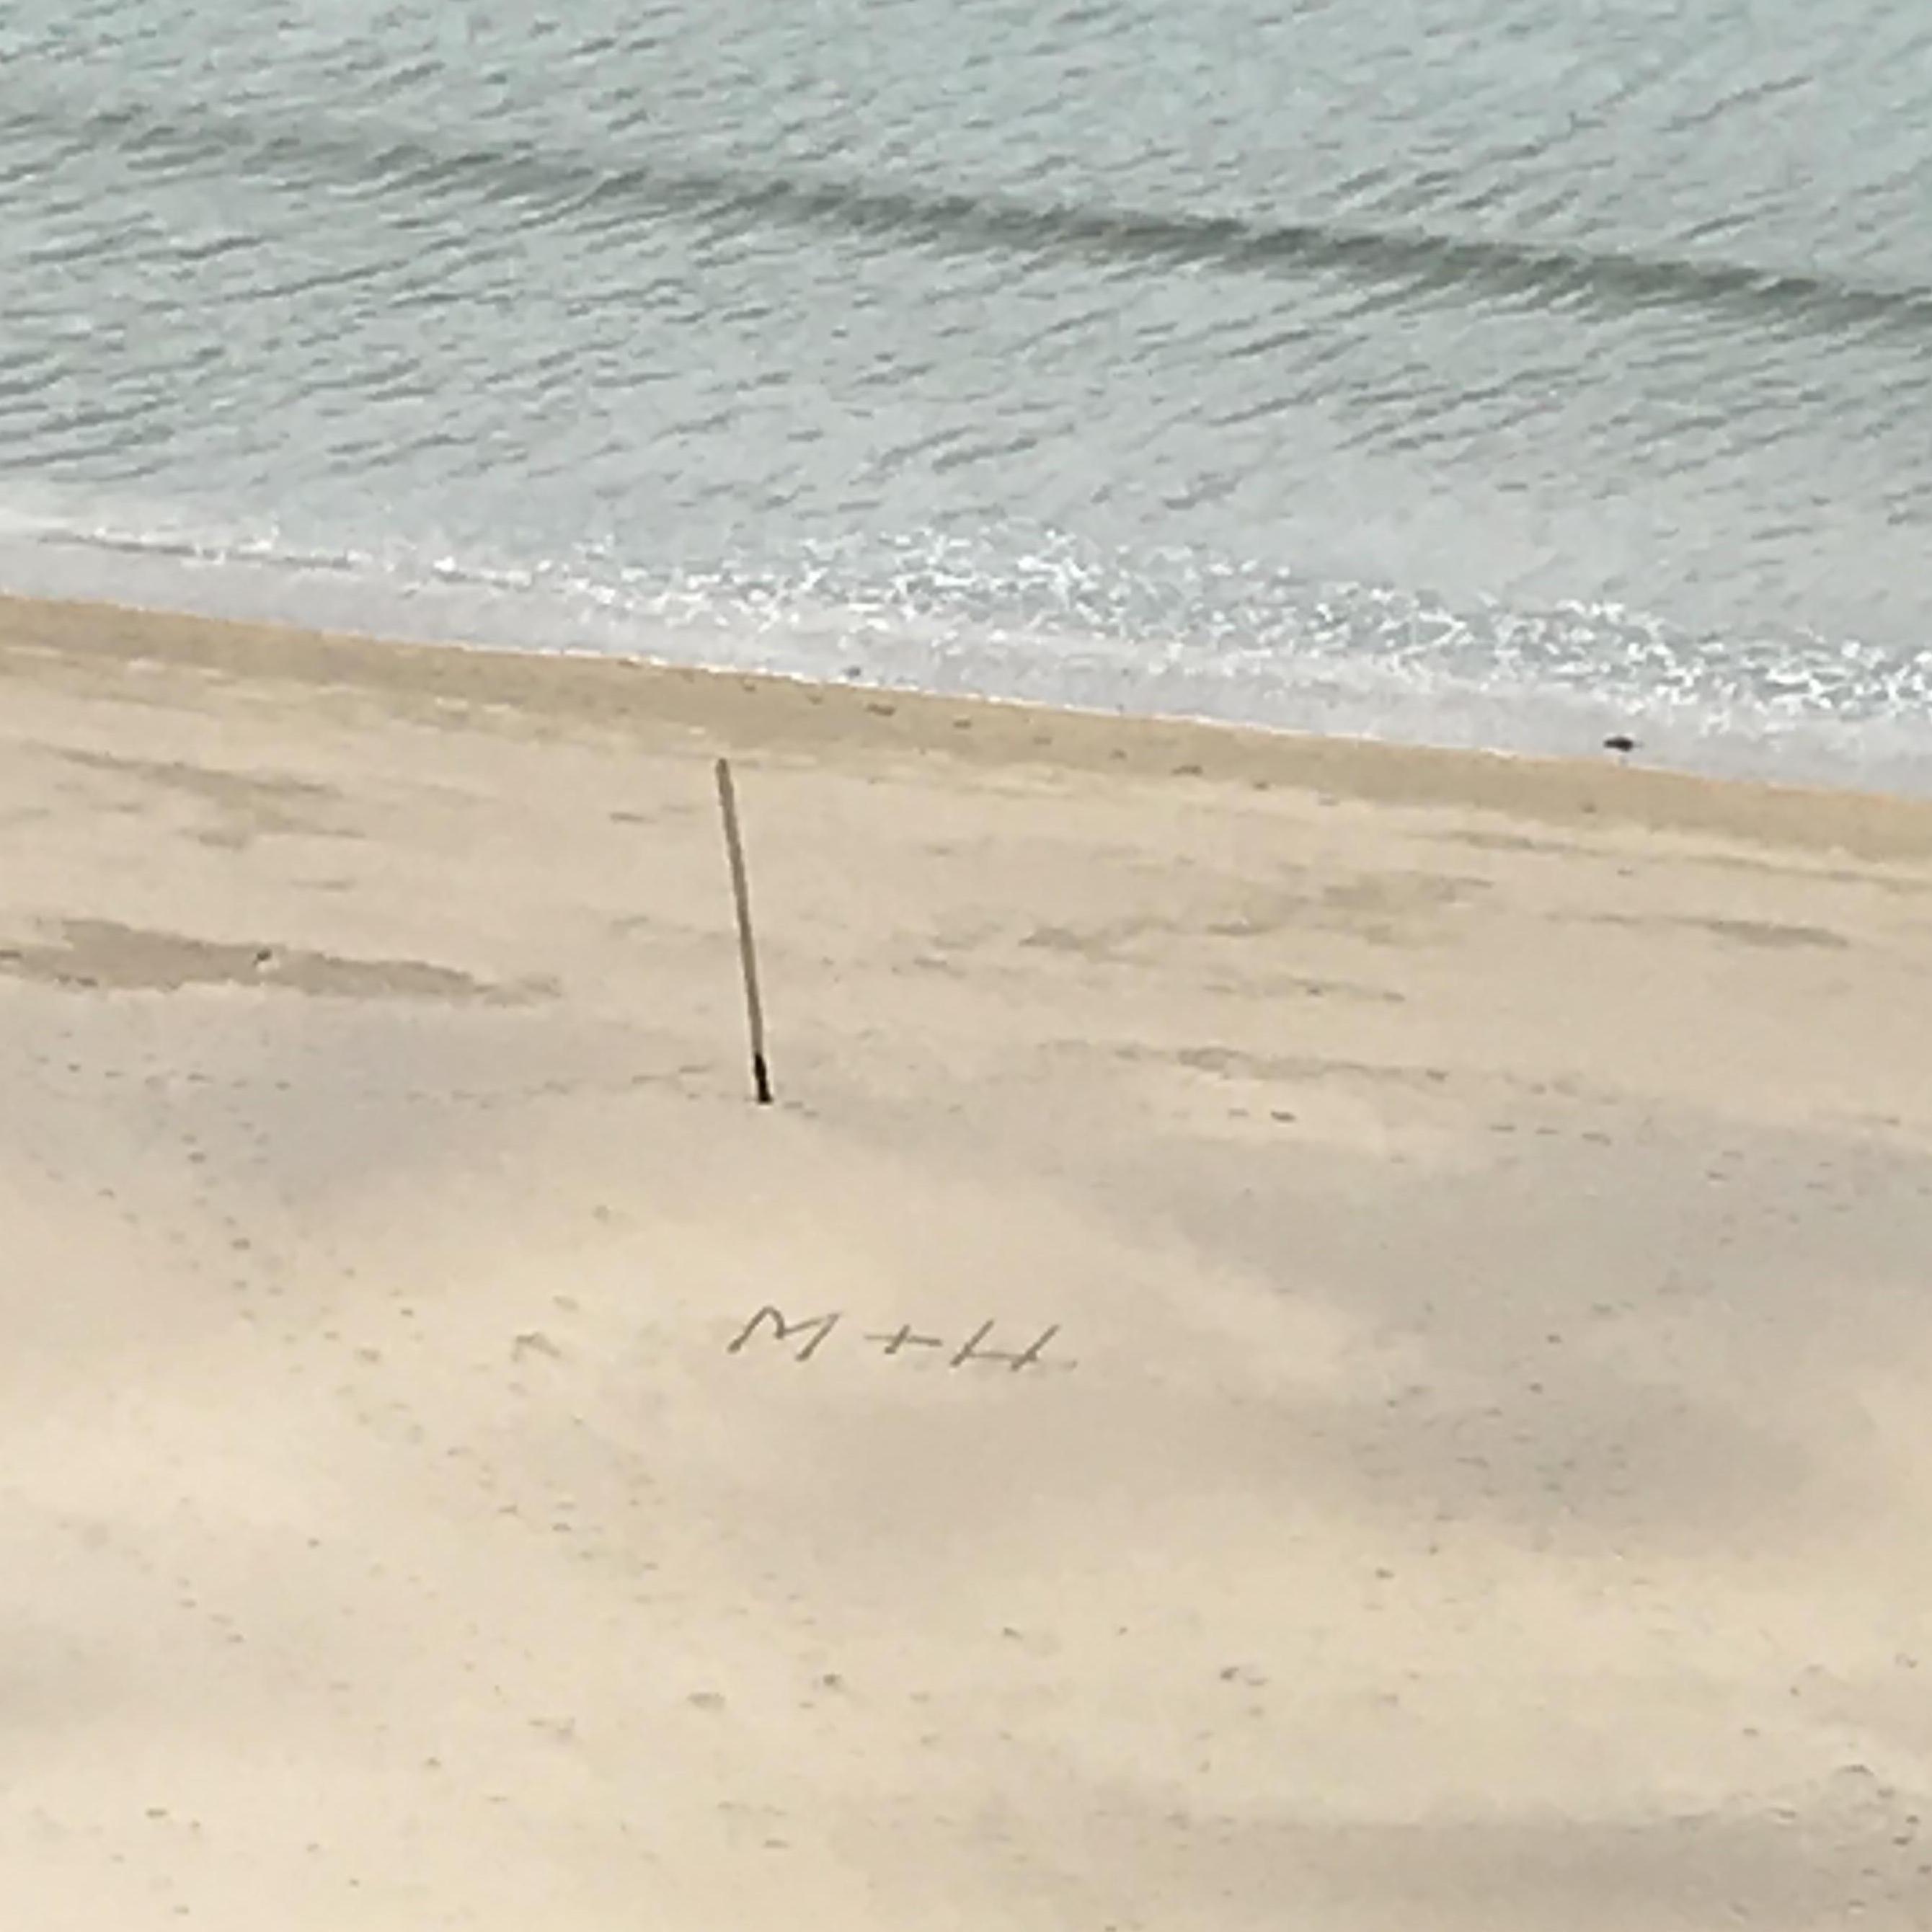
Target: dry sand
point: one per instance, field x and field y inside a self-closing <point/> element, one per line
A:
<point x="1480" y="1477"/>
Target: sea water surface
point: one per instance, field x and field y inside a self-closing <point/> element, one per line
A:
<point x="1505" y="372"/>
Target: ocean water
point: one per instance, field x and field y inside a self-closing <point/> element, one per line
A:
<point x="1506" y="372"/>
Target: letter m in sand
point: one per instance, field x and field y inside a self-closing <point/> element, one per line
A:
<point x="818" y="1326"/>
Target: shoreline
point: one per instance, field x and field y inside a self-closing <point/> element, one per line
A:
<point x="778" y="712"/>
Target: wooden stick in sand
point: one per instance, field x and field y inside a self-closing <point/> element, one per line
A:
<point x="741" y="891"/>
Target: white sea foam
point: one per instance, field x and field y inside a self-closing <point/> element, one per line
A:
<point x="1355" y="659"/>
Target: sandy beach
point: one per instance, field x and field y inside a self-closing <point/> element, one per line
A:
<point x="1344" y="1337"/>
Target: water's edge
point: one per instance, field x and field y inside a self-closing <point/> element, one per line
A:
<point x="455" y="618"/>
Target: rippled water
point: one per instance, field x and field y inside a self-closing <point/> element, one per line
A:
<point x="1488" y="372"/>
